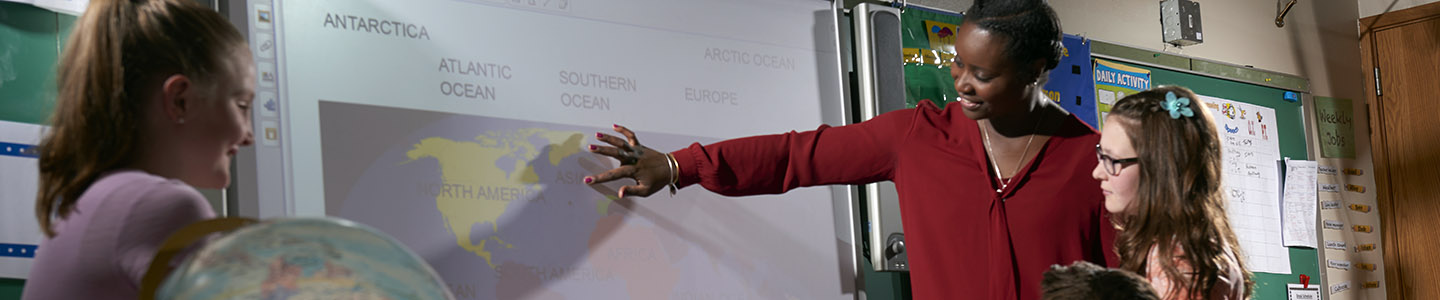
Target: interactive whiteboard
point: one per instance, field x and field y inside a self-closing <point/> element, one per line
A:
<point x="459" y="127"/>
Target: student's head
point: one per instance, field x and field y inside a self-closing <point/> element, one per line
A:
<point x="141" y="76"/>
<point x="1003" y="51"/>
<point x="1160" y="169"/>
<point x="1086" y="281"/>
<point x="1159" y="156"/>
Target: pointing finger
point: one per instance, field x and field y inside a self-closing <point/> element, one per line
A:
<point x="629" y="135"/>
<point x="611" y="175"/>
<point x="612" y="140"/>
<point x="607" y="151"/>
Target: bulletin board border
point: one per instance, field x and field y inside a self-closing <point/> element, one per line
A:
<point x="1198" y="66"/>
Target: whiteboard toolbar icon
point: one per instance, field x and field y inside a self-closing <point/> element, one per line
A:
<point x="264" y="45"/>
<point x="269" y="104"/>
<point x="264" y="18"/>
<point x="269" y="133"/>
<point x="267" y="74"/>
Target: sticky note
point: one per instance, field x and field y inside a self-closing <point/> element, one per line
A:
<point x="1339" y="287"/>
<point x="1325" y="170"/>
<point x="1338" y="264"/>
<point x="1329" y="187"/>
<point x="1335" y="245"/>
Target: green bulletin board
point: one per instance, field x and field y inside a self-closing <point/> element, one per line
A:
<point x="30" y="40"/>
<point x="926" y="77"/>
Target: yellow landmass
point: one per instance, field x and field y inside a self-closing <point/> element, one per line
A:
<point x="468" y="168"/>
<point x="565" y="144"/>
<point x="502" y="242"/>
<point x="473" y="165"/>
<point x="562" y="144"/>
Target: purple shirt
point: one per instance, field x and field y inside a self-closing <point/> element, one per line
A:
<point x="103" y="248"/>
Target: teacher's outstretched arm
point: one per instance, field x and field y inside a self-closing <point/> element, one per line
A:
<point x="763" y="164"/>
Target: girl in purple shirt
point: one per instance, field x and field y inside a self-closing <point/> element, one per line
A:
<point x="154" y="98"/>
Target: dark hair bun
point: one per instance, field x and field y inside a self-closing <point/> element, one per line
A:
<point x="1032" y="26"/>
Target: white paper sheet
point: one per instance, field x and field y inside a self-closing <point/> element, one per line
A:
<point x="1249" y="138"/>
<point x="1303" y="291"/>
<point x="1300" y="203"/>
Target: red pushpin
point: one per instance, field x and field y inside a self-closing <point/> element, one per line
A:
<point x="1304" y="281"/>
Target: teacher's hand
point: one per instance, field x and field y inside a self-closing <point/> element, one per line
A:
<point x="649" y="168"/>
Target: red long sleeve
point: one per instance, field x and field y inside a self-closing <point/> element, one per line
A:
<point x="965" y="240"/>
<point x="772" y="164"/>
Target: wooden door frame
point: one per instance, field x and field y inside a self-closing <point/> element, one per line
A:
<point x="1378" y="151"/>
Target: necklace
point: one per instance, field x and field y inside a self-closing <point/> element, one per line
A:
<point x="990" y="153"/>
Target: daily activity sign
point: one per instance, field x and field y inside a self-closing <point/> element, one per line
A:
<point x="1114" y="81"/>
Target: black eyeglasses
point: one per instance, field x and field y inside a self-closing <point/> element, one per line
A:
<point x="1113" y="165"/>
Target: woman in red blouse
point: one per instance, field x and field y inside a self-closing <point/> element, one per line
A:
<point x="994" y="189"/>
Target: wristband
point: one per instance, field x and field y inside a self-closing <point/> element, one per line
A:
<point x="674" y="172"/>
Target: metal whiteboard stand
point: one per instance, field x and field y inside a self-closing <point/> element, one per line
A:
<point x="881" y="88"/>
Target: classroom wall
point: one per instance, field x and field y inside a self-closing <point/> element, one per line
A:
<point x="1366" y="8"/>
<point x="1369" y="8"/>
<point x="1240" y="32"/>
<point x="950" y="5"/>
<point x="1319" y="40"/>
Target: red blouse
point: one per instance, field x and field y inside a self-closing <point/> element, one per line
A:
<point x="964" y="239"/>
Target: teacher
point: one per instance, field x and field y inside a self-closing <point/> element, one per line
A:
<point x="994" y="188"/>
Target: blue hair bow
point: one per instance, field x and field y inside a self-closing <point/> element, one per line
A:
<point x="1178" y="106"/>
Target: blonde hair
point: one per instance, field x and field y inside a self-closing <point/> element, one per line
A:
<point x="118" y="54"/>
<point x="1178" y="202"/>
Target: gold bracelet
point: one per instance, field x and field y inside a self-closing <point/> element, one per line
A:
<point x="674" y="171"/>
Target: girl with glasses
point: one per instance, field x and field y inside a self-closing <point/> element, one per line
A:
<point x="1159" y="167"/>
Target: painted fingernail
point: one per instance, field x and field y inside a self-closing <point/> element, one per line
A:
<point x="589" y="179"/>
<point x="593" y="147"/>
<point x="599" y="135"/>
<point x="616" y="125"/>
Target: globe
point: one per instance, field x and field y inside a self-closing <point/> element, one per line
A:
<point x="304" y="258"/>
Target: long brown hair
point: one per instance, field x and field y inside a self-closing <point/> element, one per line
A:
<point x="117" y="56"/>
<point x="1179" y="202"/>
